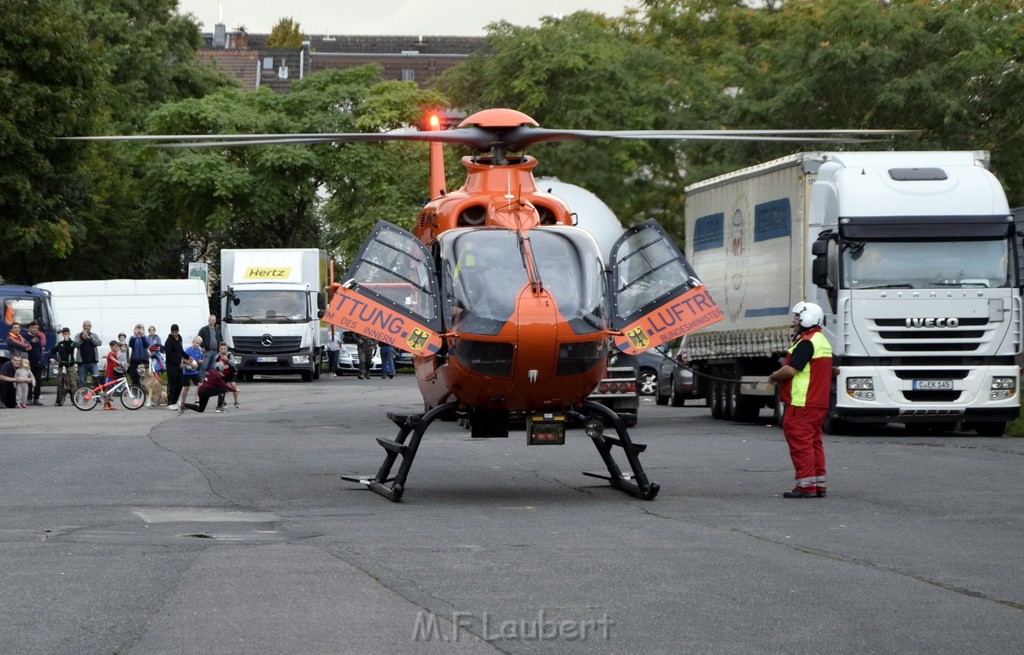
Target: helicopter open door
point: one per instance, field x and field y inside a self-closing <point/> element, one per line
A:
<point x="390" y="293"/>
<point x="655" y="294"/>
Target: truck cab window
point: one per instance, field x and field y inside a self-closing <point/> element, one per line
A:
<point x="928" y="264"/>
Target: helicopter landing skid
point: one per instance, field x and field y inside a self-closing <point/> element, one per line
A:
<point x="636" y="483"/>
<point x="392" y="488"/>
<point x="414" y="424"/>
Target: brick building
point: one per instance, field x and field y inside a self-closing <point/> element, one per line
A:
<point x="418" y="59"/>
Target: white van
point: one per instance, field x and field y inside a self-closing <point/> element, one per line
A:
<point x="115" y="306"/>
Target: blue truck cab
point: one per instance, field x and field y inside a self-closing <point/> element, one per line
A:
<point x="21" y="304"/>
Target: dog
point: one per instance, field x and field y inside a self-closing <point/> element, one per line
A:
<point x="155" y="391"/>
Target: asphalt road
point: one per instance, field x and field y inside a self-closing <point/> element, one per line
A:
<point x="146" y="532"/>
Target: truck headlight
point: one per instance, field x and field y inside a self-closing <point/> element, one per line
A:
<point x="860" y="388"/>
<point x="1003" y="388"/>
<point x="300" y="359"/>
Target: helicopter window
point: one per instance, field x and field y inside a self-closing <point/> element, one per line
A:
<point x="483" y="275"/>
<point x="388" y="268"/>
<point x="648" y="270"/>
<point x="570" y="268"/>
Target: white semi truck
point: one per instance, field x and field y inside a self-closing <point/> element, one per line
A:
<point x="914" y="258"/>
<point x="271" y="304"/>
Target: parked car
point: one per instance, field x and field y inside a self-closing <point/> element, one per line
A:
<point x="403" y="359"/>
<point x="646" y="365"/>
<point x="348" y="357"/>
<point x="675" y="383"/>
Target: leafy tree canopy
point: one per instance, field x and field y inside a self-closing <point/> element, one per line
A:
<point x="272" y="196"/>
<point x="79" y="67"/>
<point x="49" y="86"/>
<point x="285" y="34"/>
<point x="584" y="71"/>
<point x="950" y="67"/>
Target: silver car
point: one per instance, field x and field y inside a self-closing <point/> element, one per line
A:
<point x="675" y="382"/>
<point x="348" y="357"/>
<point x="646" y="364"/>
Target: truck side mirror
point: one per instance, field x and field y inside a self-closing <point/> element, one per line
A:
<point x="819" y="266"/>
<point x="321" y="304"/>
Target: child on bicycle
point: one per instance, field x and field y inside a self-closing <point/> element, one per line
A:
<point x="113" y="371"/>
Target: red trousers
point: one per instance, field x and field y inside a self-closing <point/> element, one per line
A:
<point x="802" y="427"/>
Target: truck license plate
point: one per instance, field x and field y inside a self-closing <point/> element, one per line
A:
<point x="933" y="385"/>
<point x="266" y="360"/>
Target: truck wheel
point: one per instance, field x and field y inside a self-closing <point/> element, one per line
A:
<point x="307" y="376"/>
<point x="731" y="392"/>
<point x="716" y="400"/>
<point x="991" y="429"/>
<point x="675" y="399"/>
<point x="660" y="398"/>
<point x="779" y="410"/>
<point x="317" y="365"/>
<point x="836" y="426"/>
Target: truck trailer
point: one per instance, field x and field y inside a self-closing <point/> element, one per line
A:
<point x="913" y="256"/>
<point x="271" y="304"/>
<point x="114" y="306"/>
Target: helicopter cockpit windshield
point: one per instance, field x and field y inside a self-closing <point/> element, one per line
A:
<point x="483" y="274"/>
<point x="484" y="271"/>
<point x="570" y="268"/>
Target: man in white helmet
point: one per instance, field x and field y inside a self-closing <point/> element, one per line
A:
<point x="806" y="386"/>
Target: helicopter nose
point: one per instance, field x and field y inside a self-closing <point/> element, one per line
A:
<point x="538" y="339"/>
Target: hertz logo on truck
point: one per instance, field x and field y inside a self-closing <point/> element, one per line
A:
<point x="267" y="273"/>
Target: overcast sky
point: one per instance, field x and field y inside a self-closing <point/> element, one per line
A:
<point x="394" y="17"/>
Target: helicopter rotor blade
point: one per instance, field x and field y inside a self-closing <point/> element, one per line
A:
<point x="524" y="136"/>
<point x="513" y="138"/>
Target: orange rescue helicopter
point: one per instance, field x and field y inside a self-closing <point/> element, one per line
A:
<point x="506" y="305"/>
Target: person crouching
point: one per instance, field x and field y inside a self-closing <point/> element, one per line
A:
<point x="213" y="385"/>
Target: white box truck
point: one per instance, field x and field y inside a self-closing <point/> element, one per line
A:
<point x="114" y="306"/>
<point x="915" y="259"/>
<point x="271" y="304"/>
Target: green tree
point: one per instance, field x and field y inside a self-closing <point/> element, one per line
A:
<point x="951" y="68"/>
<point x="285" y="34"/>
<point x="51" y="85"/>
<point x="272" y="196"/>
<point x="79" y="67"/>
<point x="585" y="71"/>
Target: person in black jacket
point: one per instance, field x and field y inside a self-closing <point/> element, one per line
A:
<point x="88" y="356"/>
<point x="138" y="352"/>
<point x="174" y="353"/>
<point x="37" y="358"/>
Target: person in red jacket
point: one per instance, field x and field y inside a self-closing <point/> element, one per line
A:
<point x="113" y="371"/>
<point x="212" y="385"/>
<point x="806" y="387"/>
